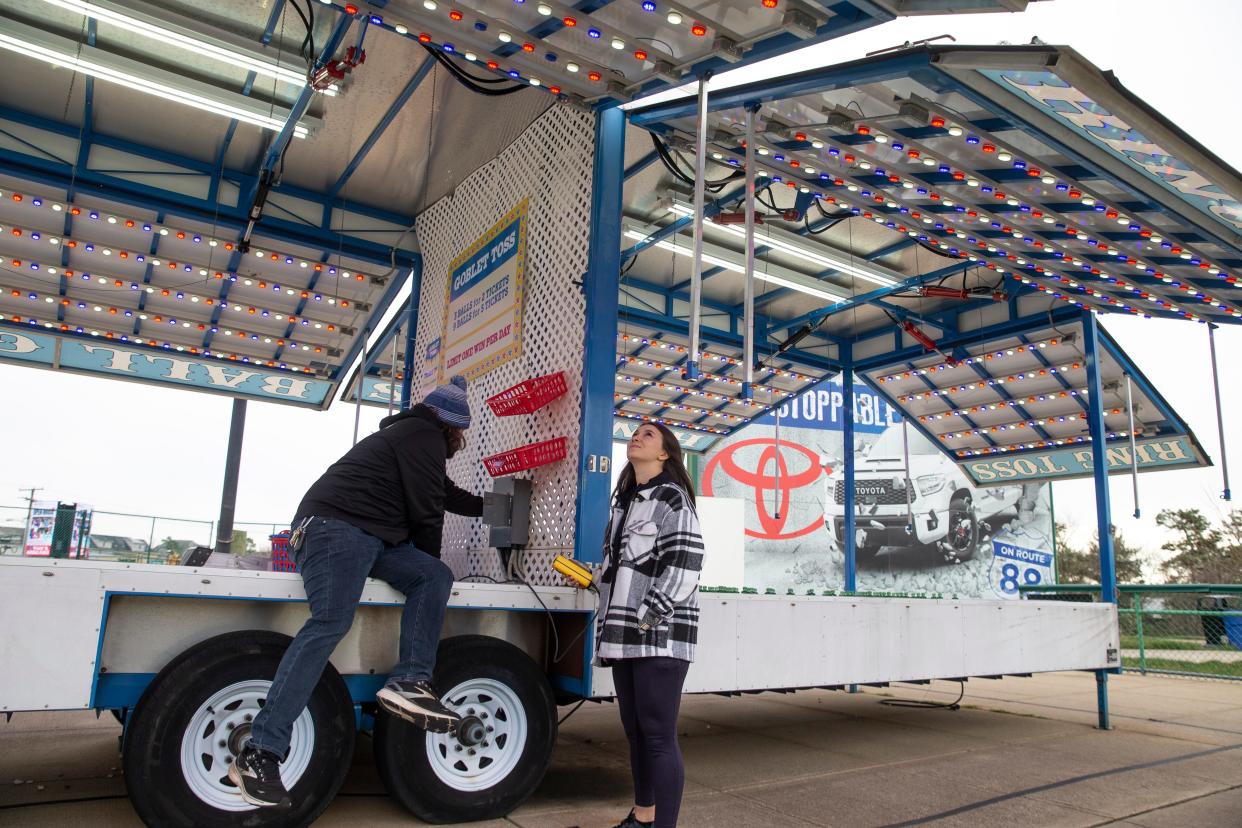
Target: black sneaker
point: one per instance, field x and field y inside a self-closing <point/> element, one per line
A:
<point x="418" y="703"/>
<point x="256" y="773"/>
<point x="631" y="821"/>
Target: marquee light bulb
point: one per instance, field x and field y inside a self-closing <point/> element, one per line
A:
<point x="674" y="18"/>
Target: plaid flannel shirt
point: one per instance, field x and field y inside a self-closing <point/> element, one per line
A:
<point x="655" y="579"/>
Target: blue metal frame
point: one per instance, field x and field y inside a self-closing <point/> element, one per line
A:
<point x="70" y="174"/>
<point x="601" y="284"/>
<point x="1103" y="510"/>
<point x="411" y="330"/>
<point x="847" y="450"/>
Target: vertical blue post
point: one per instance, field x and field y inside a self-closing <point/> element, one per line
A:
<point x="1103" y="513"/>
<point x="599" y="365"/>
<point x="411" y="328"/>
<point x="847" y="448"/>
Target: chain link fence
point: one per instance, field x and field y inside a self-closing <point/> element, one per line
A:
<point x="1190" y="630"/>
<point x="136" y="538"/>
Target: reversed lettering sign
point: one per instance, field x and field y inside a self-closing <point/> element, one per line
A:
<point x="1063" y="463"/>
<point x="483" y="309"/>
<point x="234" y="378"/>
<point x="1057" y="97"/>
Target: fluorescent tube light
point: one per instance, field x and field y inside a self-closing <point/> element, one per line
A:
<point x="771" y="278"/>
<point x="135" y="75"/>
<point x="171" y="35"/>
<point x="870" y="273"/>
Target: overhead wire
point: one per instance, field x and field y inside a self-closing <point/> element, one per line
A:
<point x="670" y="162"/>
<point x="474" y="84"/>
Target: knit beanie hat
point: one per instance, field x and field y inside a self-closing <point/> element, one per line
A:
<point x="449" y="402"/>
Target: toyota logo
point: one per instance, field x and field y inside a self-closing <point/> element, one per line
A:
<point x="763" y="482"/>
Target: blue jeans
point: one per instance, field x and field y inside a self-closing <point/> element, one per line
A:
<point x="335" y="560"/>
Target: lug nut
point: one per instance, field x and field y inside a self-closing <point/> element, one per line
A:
<point x="231" y="726"/>
<point x="223" y="743"/>
<point x="248" y="717"/>
<point x="471" y="751"/>
<point x="457" y="748"/>
<point x="490" y="728"/>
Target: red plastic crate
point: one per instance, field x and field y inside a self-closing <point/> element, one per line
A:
<point x="529" y="395"/>
<point x="526" y="457"/>
<point x="281" y="562"/>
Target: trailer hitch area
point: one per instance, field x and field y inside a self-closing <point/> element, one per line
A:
<point x="470" y="731"/>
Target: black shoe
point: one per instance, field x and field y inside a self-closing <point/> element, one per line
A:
<point x="631" y="821"/>
<point x="417" y="703"/>
<point x="256" y="773"/>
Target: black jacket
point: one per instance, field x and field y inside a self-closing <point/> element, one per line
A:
<point x="393" y="485"/>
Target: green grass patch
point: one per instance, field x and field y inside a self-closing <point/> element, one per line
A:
<point x="1205" y="668"/>
<point x="1150" y="642"/>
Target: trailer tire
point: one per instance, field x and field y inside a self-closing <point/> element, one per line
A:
<point x="209" y="690"/>
<point x="438" y="783"/>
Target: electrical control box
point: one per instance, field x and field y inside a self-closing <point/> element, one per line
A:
<point x="506" y="511"/>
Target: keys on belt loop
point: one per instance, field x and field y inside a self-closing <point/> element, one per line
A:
<point x="299" y="533"/>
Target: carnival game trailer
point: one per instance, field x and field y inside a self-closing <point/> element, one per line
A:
<point x="432" y="188"/>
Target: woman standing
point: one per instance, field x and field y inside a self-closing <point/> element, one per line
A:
<point x="647" y="624"/>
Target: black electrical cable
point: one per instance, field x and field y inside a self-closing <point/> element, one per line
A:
<point x="935" y="250"/>
<point x="558" y="654"/>
<point x="931" y="705"/>
<point x="831" y="224"/>
<point x="561" y="721"/>
<point x="666" y="157"/>
<point x="628" y="265"/>
<point x="309" y="39"/>
<point x="770" y="203"/>
<point x="463" y="72"/>
<point x="468" y="81"/>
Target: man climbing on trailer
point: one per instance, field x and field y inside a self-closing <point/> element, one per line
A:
<point x="378" y="512"/>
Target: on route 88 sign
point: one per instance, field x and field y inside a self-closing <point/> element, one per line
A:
<point x="1016" y="566"/>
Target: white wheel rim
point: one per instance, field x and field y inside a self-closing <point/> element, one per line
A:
<point x="502" y="713"/>
<point x="206" y="751"/>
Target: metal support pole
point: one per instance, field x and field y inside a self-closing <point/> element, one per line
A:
<point x="362" y="380"/>
<point x="1220" y="422"/>
<point x="1138" y="630"/>
<point x="1133" y="447"/>
<point x="1099" y="455"/>
<point x="151" y="540"/>
<point x="777" y="473"/>
<point x="599" y="370"/>
<point x="1101" y="699"/>
<point x="1103" y="514"/>
<point x="847" y="440"/>
<point x="748" y="376"/>
<point x="392" y="371"/>
<point x="232" y="470"/>
<point x="905" y="450"/>
<point x="411" y="329"/>
<point x="700" y="182"/>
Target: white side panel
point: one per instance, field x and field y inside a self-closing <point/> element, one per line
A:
<point x="723" y="524"/>
<point x="51" y="611"/>
<point x="51" y="635"/>
<point x="751" y="642"/>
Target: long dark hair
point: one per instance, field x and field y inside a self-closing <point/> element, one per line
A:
<point x="674" y="465"/>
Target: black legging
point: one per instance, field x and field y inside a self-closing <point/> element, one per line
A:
<point x="649" y="696"/>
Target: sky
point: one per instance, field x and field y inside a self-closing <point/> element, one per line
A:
<point x="126" y="447"/>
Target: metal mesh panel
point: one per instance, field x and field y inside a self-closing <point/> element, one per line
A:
<point x="551" y="165"/>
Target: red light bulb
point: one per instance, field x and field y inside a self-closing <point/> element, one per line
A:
<point x="698" y="30"/>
